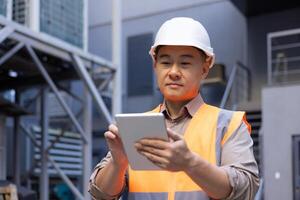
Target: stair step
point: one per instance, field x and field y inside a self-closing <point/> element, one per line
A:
<point x="255" y="131"/>
<point x="255" y="124"/>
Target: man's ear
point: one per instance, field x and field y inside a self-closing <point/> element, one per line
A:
<point x="154" y="63"/>
<point x="206" y="65"/>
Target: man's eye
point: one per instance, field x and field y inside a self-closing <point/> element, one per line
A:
<point x="165" y="63"/>
<point x="185" y="63"/>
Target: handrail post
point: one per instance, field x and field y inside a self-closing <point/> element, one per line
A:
<point x="231" y="80"/>
<point x="228" y="87"/>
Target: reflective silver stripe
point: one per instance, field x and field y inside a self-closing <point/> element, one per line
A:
<point x="147" y="196"/>
<point x="224" y="119"/>
<point x="197" y="195"/>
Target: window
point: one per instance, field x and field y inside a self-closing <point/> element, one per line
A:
<point x="3" y="7"/>
<point x="63" y="19"/>
<point x="296" y="166"/>
<point x="139" y="65"/>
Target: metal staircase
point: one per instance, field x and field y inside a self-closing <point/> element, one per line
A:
<point x="34" y="60"/>
<point x="254" y="118"/>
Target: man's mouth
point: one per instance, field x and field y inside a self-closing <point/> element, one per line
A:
<point x="174" y="85"/>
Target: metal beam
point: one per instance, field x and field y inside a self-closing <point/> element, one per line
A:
<point x="52" y="45"/>
<point x="62" y="132"/>
<point x="33" y="99"/>
<point x="248" y="79"/>
<point x="87" y="148"/>
<point x="105" y="83"/>
<point x="11" y="52"/>
<point x="70" y="93"/>
<point x="44" y="178"/>
<point x="82" y="72"/>
<point x="29" y="134"/>
<point x="228" y="87"/>
<point x="66" y="179"/>
<point x="5" y="32"/>
<point x="56" y="92"/>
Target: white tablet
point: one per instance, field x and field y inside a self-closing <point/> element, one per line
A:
<point x="135" y="126"/>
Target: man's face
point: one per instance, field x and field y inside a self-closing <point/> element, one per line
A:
<point x="179" y="71"/>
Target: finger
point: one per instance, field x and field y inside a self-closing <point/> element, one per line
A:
<point x="109" y="135"/>
<point x="174" y="136"/>
<point x="160" y="144"/>
<point x="113" y="128"/>
<point x="154" y="151"/>
<point x="155" y="159"/>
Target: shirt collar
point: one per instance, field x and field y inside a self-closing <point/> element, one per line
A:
<point x="191" y="107"/>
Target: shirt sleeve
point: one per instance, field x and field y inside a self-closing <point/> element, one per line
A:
<point x="94" y="190"/>
<point x="238" y="161"/>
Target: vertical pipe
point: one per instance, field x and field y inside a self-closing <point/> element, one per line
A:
<point x="34" y="15"/>
<point x="44" y="177"/>
<point x="117" y="55"/>
<point x="85" y="25"/>
<point x="9" y="10"/>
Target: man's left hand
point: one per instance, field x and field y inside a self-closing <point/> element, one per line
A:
<point x="172" y="155"/>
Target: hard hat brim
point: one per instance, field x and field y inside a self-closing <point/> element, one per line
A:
<point x="209" y="54"/>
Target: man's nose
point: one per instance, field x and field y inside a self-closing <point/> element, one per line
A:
<point x="175" y="72"/>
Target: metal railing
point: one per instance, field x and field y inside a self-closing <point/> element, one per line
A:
<point x="283" y="49"/>
<point x="237" y="90"/>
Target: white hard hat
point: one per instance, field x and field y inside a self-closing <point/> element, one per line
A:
<point x="183" y="31"/>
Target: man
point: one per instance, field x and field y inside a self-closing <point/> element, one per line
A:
<point x="209" y="152"/>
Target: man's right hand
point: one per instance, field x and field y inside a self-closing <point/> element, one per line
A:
<point x="111" y="178"/>
<point x="116" y="147"/>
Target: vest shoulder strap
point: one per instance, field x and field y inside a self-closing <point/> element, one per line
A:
<point x="234" y="124"/>
<point x="155" y="110"/>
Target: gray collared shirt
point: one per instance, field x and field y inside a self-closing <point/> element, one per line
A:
<point x="237" y="157"/>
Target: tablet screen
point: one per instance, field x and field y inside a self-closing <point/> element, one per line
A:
<point x="135" y="126"/>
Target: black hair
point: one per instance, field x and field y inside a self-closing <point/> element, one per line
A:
<point x="202" y="53"/>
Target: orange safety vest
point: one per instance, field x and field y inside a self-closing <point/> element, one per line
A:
<point x="205" y="135"/>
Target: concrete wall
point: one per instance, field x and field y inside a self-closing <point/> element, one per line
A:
<point x="225" y="24"/>
<point x="280" y="117"/>
<point x="101" y="11"/>
<point x="258" y="28"/>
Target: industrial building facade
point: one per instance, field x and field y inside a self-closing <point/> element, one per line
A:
<point x="46" y="67"/>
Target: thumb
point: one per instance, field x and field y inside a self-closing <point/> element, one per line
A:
<point x="174" y="136"/>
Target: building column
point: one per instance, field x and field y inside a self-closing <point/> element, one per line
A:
<point x="117" y="55"/>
